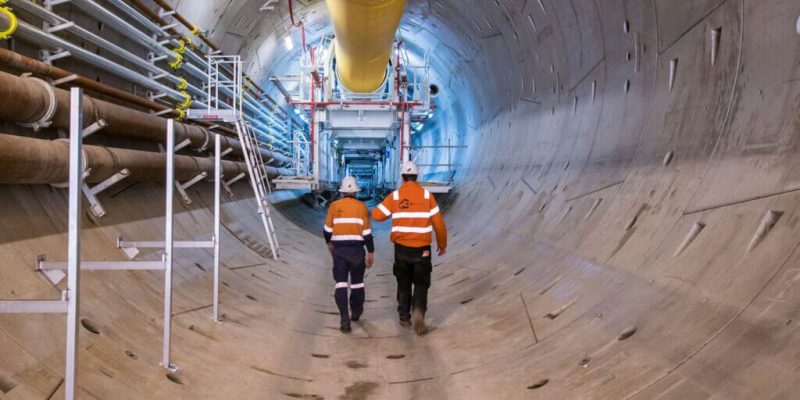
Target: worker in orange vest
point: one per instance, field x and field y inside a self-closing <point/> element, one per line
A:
<point x="347" y="231"/>
<point x="415" y="215"/>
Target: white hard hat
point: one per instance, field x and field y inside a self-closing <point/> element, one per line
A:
<point x="349" y="185"/>
<point x="409" y="168"/>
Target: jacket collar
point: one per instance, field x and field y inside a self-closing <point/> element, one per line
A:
<point x="412" y="184"/>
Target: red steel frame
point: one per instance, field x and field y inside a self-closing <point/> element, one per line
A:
<point x="404" y="106"/>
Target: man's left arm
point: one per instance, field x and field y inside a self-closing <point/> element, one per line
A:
<point x="366" y="232"/>
<point x="369" y="242"/>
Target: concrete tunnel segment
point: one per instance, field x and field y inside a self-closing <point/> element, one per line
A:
<point x="624" y="227"/>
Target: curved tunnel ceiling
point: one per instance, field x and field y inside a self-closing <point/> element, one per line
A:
<point x="624" y="225"/>
<point x="627" y="156"/>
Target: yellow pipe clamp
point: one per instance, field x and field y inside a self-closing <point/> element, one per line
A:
<point x="12" y="21"/>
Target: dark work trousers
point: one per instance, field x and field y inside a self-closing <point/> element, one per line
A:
<point x="411" y="267"/>
<point x="348" y="262"/>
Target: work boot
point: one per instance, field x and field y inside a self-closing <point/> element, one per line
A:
<point x="418" y="319"/>
<point x="345" y="328"/>
<point x="405" y="323"/>
<point x="355" y="317"/>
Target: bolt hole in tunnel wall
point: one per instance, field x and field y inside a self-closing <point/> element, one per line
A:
<point x="624" y="219"/>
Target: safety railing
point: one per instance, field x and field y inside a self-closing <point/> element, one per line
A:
<point x="69" y="303"/>
<point x="219" y="105"/>
<point x="302" y="150"/>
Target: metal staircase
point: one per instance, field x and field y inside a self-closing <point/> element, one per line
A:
<point x="225" y="76"/>
<point x="259" y="180"/>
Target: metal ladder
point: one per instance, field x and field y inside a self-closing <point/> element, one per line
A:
<point x="259" y="181"/>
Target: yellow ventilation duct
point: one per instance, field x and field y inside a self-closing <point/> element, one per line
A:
<point x="364" y="31"/>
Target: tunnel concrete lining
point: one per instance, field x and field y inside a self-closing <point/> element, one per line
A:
<point x="624" y="227"/>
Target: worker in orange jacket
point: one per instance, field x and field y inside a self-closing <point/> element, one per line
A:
<point x="415" y="215"/>
<point x="347" y="231"/>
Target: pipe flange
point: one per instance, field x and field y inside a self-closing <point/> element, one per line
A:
<point x="46" y="119"/>
<point x="84" y="165"/>
<point x="206" y="140"/>
<point x="224" y="143"/>
<point x="114" y="160"/>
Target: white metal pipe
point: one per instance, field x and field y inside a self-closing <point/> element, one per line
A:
<point x="170" y="178"/>
<point x="132" y="32"/>
<point x="73" y="239"/>
<point x="190" y="56"/>
<point x="153" y="28"/>
<point x="55" y="19"/>
<point x="120" y="25"/>
<point x="30" y="33"/>
<point x="141" y="19"/>
<point x="106" y="265"/>
<point x="199" y="244"/>
<point x="217" y="216"/>
<point x="34" y="307"/>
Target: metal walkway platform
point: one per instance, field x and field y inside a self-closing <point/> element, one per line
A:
<point x="295" y="183"/>
<point x="437" y="187"/>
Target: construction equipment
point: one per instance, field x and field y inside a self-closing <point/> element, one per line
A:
<point x="230" y="110"/>
<point x="364" y="35"/>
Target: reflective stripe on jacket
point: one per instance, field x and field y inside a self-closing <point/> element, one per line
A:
<point x="348" y="223"/>
<point x="415" y="215"/>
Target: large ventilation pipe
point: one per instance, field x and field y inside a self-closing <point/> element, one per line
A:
<point x="32" y="101"/>
<point x="364" y="31"/>
<point x="39" y="161"/>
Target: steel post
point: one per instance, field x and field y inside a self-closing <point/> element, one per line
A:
<point x="170" y="178"/>
<point x="217" y="216"/>
<point x="74" y="249"/>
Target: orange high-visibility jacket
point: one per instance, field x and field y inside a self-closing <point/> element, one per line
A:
<point x="415" y="215"/>
<point x="347" y="224"/>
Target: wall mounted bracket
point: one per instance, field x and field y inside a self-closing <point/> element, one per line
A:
<point x="183" y="186"/>
<point x="91" y="192"/>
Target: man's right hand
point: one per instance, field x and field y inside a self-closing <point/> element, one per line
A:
<point x="330" y="248"/>
<point x="370" y="259"/>
<point x="442" y="251"/>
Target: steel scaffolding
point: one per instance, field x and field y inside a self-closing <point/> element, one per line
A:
<point x="70" y="299"/>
